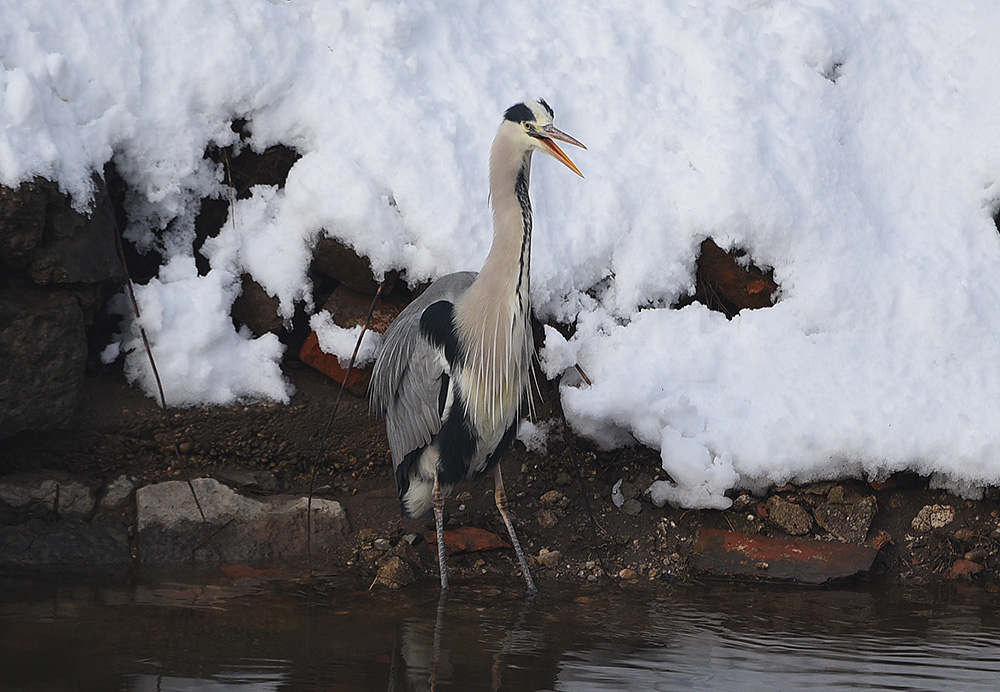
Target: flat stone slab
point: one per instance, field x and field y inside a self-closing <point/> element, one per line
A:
<point x="67" y="497"/>
<point x="729" y="553"/>
<point x="206" y="522"/>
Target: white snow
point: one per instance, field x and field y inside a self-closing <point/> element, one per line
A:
<point x="852" y="145"/>
<point x="341" y="342"/>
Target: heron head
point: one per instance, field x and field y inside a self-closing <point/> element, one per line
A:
<point x="534" y="128"/>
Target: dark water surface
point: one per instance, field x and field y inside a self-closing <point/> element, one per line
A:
<point x="207" y="633"/>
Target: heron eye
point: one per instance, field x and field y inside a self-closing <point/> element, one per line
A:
<point x="528" y="127"/>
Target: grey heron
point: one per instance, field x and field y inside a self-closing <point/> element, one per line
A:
<point x="452" y="378"/>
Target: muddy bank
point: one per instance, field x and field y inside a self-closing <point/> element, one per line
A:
<point x="82" y="495"/>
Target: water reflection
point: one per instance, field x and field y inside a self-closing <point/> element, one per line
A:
<point x="281" y="634"/>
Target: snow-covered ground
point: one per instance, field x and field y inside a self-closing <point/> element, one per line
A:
<point x="853" y="145"/>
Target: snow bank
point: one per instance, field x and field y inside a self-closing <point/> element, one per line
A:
<point x="850" y="145"/>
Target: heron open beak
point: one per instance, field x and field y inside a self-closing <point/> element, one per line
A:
<point x="550" y="133"/>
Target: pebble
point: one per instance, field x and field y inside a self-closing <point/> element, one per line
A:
<point x="552" y="497"/>
<point x="933" y="517"/>
<point x="632" y="507"/>
<point x="395" y="573"/>
<point x="549" y="558"/>
<point x="546" y="518"/>
<point x="791" y="518"/>
<point x="628" y="574"/>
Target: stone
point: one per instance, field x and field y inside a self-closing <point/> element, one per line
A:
<point x="44" y="237"/>
<point x="395" y="573"/>
<point x="334" y="259"/>
<point x="552" y="497"/>
<point x="43" y="351"/>
<point x="68" y="498"/>
<point x="256" y="309"/>
<point x="249" y="479"/>
<point x="208" y="522"/>
<point x="77" y="247"/>
<point x="117" y="492"/>
<point x="549" y="558"/>
<point x="730" y="553"/>
<point x="727" y="281"/>
<point x="632" y="507"/>
<point x="848" y="521"/>
<point x="964" y="569"/>
<point x="349" y="309"/>
<point x="546" y="518"/>
<point x="36" y="543"/>
<point x="312" y="355"/>
<point x="467" y="539"/>
<point x="628" y="574"/>
<point x="788" y="516"/>
<point x="933" y="517"/>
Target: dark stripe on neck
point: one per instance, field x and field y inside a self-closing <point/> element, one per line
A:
<point x="521" y="191"/>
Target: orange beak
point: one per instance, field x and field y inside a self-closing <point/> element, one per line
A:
<point x="546" y="137"/>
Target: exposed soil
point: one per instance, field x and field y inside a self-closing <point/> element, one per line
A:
<point x="120" y="431"/>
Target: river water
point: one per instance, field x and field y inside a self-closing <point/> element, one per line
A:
<point x="258" y="632"/>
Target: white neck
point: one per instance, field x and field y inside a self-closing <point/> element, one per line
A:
<point x="493" y="314"/>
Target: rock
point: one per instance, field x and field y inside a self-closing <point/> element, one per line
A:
<point x="742" y="502"/>
<point x="964" y="569"/>
<point x="311" y="354"/>
<point x="836" y="494"/>
<point x="965" y="535"/>
<point x="552" y="497"/>
<point x="632" y="507"/>
<point x="334" y="259"/>
<point x="117" y="492"/>
<point x="788" y="516"/>
<point x="848" y="521"/>
<point x="43" y="350"/>
<point x="400" y="566"/>
<point x="395" y="573"/>
<point x="546" y="518"/>
<point x="42" y="235"/>
<point x="549" y="558"/>
<point x="69" y="498"/>
<point x="628" y="574"/>
<point x="730" y="553"/>
<point x="349" y="309"/>
<point x="249" y="479"/>
<point x="36" y="543"/>
<point x="933" y="517"/>
<point x="467" y="539"/>
<point x="256" y="309"/>
<point x="208" y="522"/>
<point x="729" y="282"/>
<point x="22" y="221"/>
<point x="75" y="247"/>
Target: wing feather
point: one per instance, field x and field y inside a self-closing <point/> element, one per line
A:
<point x="406" y="382"/>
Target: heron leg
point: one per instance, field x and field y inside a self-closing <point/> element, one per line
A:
<point x="439" y="526"/>
<point x="501" y="497"/>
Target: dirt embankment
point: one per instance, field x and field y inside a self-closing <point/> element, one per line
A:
<point x="571" y="511"/>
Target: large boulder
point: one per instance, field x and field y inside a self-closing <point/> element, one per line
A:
<point x="43" y="350"/>
<point x="57" y="264"/>
<point x="207" y="522"/>
<point x="42" y="235"/>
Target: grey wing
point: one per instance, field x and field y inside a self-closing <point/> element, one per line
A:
<point x="406" y="381"/>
